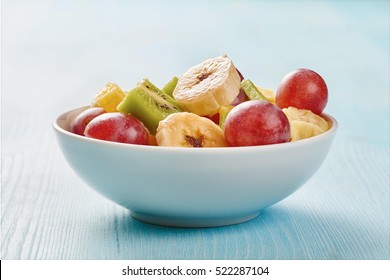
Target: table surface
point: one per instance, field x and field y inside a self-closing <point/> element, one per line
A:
<point x="57" y="54"/>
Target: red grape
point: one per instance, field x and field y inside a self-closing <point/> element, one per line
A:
<point x="80" y="122"/>
<point x="118" y="127"/>
<point x="303" y="89"/>
<point x="241" y="97"/>
<point x="214" y="118"/>
<point x="239" y="74"/>
<point x="256" y="122"/>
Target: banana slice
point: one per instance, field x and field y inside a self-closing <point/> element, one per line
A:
<point x="204" y="88"/>
<point x="189" y="130"/>
<point x="293" y="113"/>
<point x="304" y="123"/>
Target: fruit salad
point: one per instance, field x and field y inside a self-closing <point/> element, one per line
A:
<point x="211" y="105"/>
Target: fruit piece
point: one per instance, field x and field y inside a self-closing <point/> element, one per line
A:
<point x="81" y="120"/>
<point x="252" y="91"/>
<point x="152" y="140"/>
<point x="149" y="104"/>
<point x="241" y="97"/>
<point x="294" y="114"/>
<point x="302" y="130"/>
<point x="304" y="123"/>
<point x="118" y="127"/>
<point x="189" y="130"/>
<point x="268" y="94"/>
<point x="170" y="86"/>
<point x="303" y="89"/>
<point x="214" y="118"/>
<point x="239" y="74"/>
<point x="109" y="97"/>
<point x="223" y="112"/>
<point x="205" y="87"/>
<point x="256" y="122"/>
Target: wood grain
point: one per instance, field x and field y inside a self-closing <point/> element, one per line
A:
<point x="51" y="64"/>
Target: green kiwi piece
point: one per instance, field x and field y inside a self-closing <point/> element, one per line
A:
<point x="223" y="112"/>
<point x="170" y="86"/>
<point x="252" y="91"/>
<point x="149" y="104"/>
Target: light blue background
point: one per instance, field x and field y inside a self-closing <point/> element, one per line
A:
<point x="57" y="54"/>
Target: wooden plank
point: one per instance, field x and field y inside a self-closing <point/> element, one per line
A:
<point x="52" y="64"/>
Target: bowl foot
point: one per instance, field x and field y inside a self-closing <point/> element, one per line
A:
<point x="192" y="222"/>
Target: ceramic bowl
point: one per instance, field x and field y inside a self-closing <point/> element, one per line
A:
<point x="190" y="187"/>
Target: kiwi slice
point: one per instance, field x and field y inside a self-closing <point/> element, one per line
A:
<point x="252" y="91"/>
<point x="170" y="86"/>
<point x="149" y="104"/>
<point x="223" y="112"/>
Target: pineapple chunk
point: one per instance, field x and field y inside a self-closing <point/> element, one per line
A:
<point x="268" y="94"/>
<point x="109" y="97"/>
<point x="304" y="123"/>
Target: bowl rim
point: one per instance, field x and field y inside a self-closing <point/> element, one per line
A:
<point x="57" y="127"/>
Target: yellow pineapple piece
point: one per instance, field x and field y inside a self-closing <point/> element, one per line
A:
<point x="109" y="97"/>
<point x="302" y="130"/>
<point x="293" y="113"/>
<point x="268" y="94"/>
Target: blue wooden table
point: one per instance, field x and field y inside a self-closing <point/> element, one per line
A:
<point x="57" y="54"/>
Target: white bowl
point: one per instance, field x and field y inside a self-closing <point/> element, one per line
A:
<point x="193" y="187"/>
